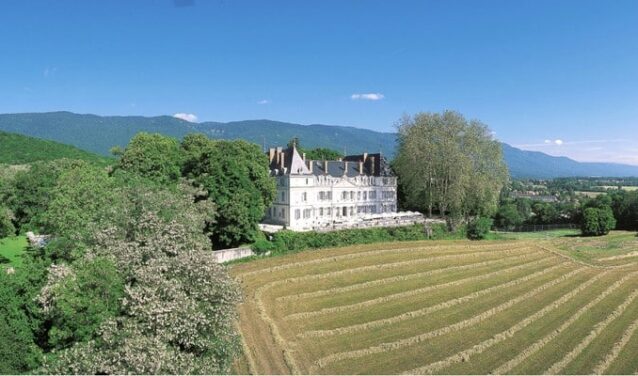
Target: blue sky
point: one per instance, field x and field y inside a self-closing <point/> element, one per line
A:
<point x="555" y="76"/>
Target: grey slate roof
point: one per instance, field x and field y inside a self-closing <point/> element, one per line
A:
<point x="374" y="165"/>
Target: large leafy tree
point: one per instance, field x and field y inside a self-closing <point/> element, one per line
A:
<point x="236" y="178"/>
<point x="18" y="350"/>
<point x="32" y="191"/>
<point x="153" y="156"/>
<point x="448" y="164"/>
<point x="79" y="203"/>
<point x="177" y="313"/>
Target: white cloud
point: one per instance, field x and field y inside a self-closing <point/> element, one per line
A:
<point x="191" y="118"/>
<point x="367" y="96"/>
<point x="263" y="101"/>
<point x="558" y="142"/>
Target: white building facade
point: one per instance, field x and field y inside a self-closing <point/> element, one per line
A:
<point x="315" y="195"/>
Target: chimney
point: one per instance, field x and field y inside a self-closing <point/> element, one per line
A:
<point x="282" y="159"/>
<point x="345" y="168"/>
<point x="325" y="167"/>
<point x="360" y="167"/>
<point x="271" y="154"/>
<point x="303" y="156"/>
<point x="310" y="163"/>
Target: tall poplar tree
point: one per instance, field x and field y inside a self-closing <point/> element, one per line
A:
<point x="448" y="164"/>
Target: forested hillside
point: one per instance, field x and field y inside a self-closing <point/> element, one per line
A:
<point x="19" y="149"/>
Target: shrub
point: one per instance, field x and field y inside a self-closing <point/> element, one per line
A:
<point x="479" y="227"/>
<point x="261" y="246"/>
<point x="289" y="241"/>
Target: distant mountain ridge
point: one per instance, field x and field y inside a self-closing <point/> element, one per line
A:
<point x="99" y="133"/>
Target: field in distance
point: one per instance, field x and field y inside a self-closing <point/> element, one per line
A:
<point x="454" y="307"/>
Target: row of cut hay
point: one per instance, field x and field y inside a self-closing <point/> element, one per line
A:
<point x="418" y="291"/>
<point x="377" y="267"/>
<point x="602" y="367"/>
<point x="428" y="310"/>
<point x="250" y="362"/>
<point x="619" y="257"/>
<point x="274" y="331"/>
<point x="538" y="345"/>
<point x="400" y="278"/>
<point x="558" y="253"/>
<point x="395" y="345"/>
<point x="486" y="248"/>
<point x="465" y="355"/>
<point x="327" y="253"/>
<point x="598" y="328"/>
<point x="412" y="289"/>
<point x="435" y="270"/>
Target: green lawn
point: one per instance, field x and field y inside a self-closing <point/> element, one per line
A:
<point x="12" y="248"/>
<point x="541" y="235"/>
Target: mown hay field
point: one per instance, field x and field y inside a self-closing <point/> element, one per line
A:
<point x="450" y="307"/>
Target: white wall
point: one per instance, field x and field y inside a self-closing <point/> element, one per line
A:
<point x="302" y="206"/>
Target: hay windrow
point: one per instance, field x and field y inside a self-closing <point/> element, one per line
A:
<point x="538" y="345"/>
<point x="410" y="293"/>
<point x="348" y="256"/>
<point x="395" y="345"/>
<point x="598" y="328"/>
<point x="400" y="278"/>
<point x="465" y="355"/>
<point x="602" y="367"/>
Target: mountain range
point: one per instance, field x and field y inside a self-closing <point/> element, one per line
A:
<point x="100" y="133"/>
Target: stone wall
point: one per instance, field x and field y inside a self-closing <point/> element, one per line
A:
<point x="225" y="255"/>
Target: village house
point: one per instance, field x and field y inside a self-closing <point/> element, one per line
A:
<point x="356" y="191"/>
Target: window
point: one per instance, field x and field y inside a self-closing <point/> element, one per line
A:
<point x="306" y="181"/>
<point x="352" y="195"/>
<point x="359" y="195"/>
<point x="345" y="211"/>
<point x="344" y="195"/>
<point x="304" y="197"/>
<point x="329" y="195"/>
<point x="329" y="211"/>
<point x="365" y="195"/>
<point x="307" y="213"/>
<point x="321" y="212"/>
<point x="373" y="195"/>
<point x="283" y="196"/>
<point x="297" y="214"/>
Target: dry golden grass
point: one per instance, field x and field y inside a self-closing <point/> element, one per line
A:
<point x="440" y="307"/>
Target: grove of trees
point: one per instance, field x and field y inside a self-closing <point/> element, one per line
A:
<point x="449" y="165"/>
<point x="128" y="283"/>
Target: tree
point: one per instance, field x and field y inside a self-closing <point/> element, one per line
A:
<point x="153" y="156"/>
<point x="315" y="153"/>
<point x="18" y="351"/>
<point x="77" y="300"/>
<point x="448" y="164"/>
<point x="544" y="213"/>
<point x="508" y="216"/>
<point x="597" y="221"/>
<point x="236" y="178"/>
<point x="178" y="311"/>
<point x="6" y="225"/>
<point x="32" y="190"/>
